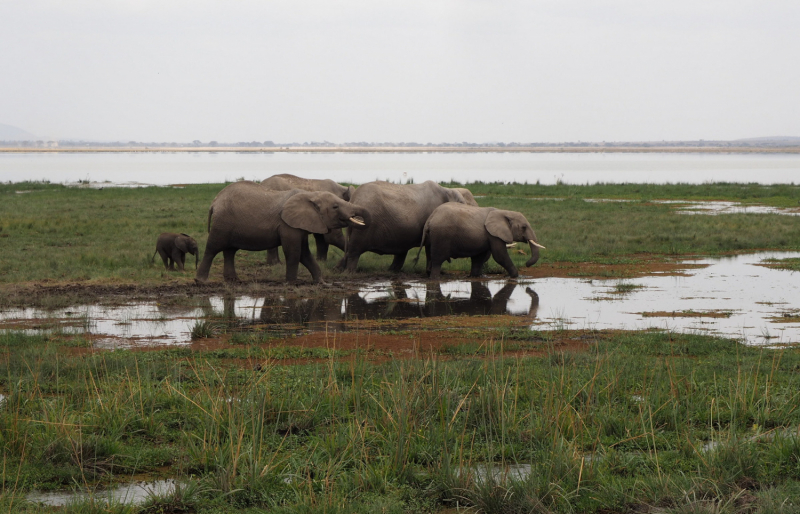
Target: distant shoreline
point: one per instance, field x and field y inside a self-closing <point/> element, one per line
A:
<point x="432" y="149"/>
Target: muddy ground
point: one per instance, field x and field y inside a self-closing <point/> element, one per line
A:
<point x="180" y="285"/>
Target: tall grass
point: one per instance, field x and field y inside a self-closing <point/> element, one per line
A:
<point x="635" y="419"/>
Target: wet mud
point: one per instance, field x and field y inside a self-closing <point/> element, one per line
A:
<point x="733" y="296"/>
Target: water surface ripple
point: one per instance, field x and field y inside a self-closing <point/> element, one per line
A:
<point x="731" y="296"/>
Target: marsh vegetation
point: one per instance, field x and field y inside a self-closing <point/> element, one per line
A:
<point x="465" y="412"/>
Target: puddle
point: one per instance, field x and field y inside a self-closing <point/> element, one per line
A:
<point x="731" y="296"/>
<point x="709" y="207"/>
<point x="132" y="493"/>
<point x="723" y="207"/>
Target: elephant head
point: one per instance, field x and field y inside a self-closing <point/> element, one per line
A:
<point x="187" y="244"/>
<point x="512" y="226"/>
<point x="319" y="212"/>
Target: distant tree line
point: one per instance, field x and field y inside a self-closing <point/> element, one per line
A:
<point x="754" y="143"/>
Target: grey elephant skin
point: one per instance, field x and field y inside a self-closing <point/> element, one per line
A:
<point x="398" y="214"/>
<point x="248" y="216"/>
<point x="455" y="231"/>
<point x="173" y="248"/>
<point x="467" y="194"/>
<point x="286" y="182"/>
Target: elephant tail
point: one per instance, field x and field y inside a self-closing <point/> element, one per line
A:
<point x="210" y="212"/>
<point x="421" y="243"/>
<point x="153" y="258"/>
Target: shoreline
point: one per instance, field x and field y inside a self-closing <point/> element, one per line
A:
<point x="433" y="149"/>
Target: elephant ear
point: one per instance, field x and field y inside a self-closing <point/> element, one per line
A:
<point x="497" y="225"/>
<point x="180" y="244"/>
<point x="300" y="211"/>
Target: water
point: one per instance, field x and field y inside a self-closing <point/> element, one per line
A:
<point x="732" y="296"/>
<point x="177" y="168"/>
<point x="131" y="493"/>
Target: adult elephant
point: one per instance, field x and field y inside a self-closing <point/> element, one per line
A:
<point x="248" y="216"/>
<point x="454" y="231"/>
<point x="286" y="182"/>
<point x="398" y="214"/>
<point x="467" y="194"/>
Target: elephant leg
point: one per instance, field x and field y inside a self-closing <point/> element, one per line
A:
<point x="292" y="251"/>
<point x="399" y="260"/>
<point x="229" y="270"/>
<point x="322" y="247"/>
<point x="350" y="261"/>
<point x="477" y="263"/>
<point x="178" y="258"/>
<point x="273" y="257"/>
<point x="500" y="255"/>
<point x="428" y="258"/>
<point x="307" y="260"/>
<point x="164" y="257"/>
<point x="201" y="276"/>
<point x="438" y="255"/>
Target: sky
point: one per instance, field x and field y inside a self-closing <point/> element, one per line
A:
<point x="400" y="71"/>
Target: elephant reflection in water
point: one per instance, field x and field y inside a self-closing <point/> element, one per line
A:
<point x="480" y="302"/>
<point x="399" y="305"/>
<point x="322" y="310"/>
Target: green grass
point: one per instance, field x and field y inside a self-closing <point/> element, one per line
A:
<point x="787" y="264"/>
<point x="61" y="234"/>
<point x="777" y="195"/>
<point x="411" y="435"/>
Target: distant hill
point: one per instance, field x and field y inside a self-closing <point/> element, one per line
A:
<point x="782" y="140"/>
<point x="11" y="133"/>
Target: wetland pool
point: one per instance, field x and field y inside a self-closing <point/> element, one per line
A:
<point x="734" y="296"/>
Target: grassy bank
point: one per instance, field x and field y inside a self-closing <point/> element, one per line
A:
<point x="628" y="421"/>
<point x="51" y="233"/>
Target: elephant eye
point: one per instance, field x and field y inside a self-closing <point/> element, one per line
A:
<point x="335" y="206"/>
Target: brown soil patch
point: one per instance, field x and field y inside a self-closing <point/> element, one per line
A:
<point x="590" y="270"/>
<point x="30" y="293"/>
<point x="786" y="317"/>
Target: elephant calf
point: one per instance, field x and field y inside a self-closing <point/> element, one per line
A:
<point x="173" y="249"/>
<point x="456" y="230"/>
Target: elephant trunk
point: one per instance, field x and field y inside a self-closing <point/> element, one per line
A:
<point x="534" y="254"/>
<point x="362" y="214"/>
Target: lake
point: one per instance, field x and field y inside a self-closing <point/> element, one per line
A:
<point x="546" y="168"/>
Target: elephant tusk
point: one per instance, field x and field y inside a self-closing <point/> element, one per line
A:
<point x="534" y="243"/>
<point x="511" y="245"/>
<point x="358" y="220"/>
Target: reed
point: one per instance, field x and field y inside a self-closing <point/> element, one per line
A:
<point x="633" y="419"/>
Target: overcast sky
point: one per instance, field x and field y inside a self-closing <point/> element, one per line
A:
<point x="425" y="71"/>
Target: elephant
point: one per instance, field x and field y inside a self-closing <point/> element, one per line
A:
<point x="285" y="182"/>
<point x="467" y="194"/>
<point x="248" y="216"/>
<point x="398" y="214"/>
<point x="455" y="230"/>
<point x="173" y="249"/>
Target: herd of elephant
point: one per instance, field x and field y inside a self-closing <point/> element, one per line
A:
<point x="380" y="217"/>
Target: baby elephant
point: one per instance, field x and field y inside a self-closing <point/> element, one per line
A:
<point x="173" y="249"/>
<point x="456" y="230"/>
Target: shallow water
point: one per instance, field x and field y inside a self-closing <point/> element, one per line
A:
<point x="357" y="168"/>
<point x="731" y="296"/>
<point x="130" y="493"/>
